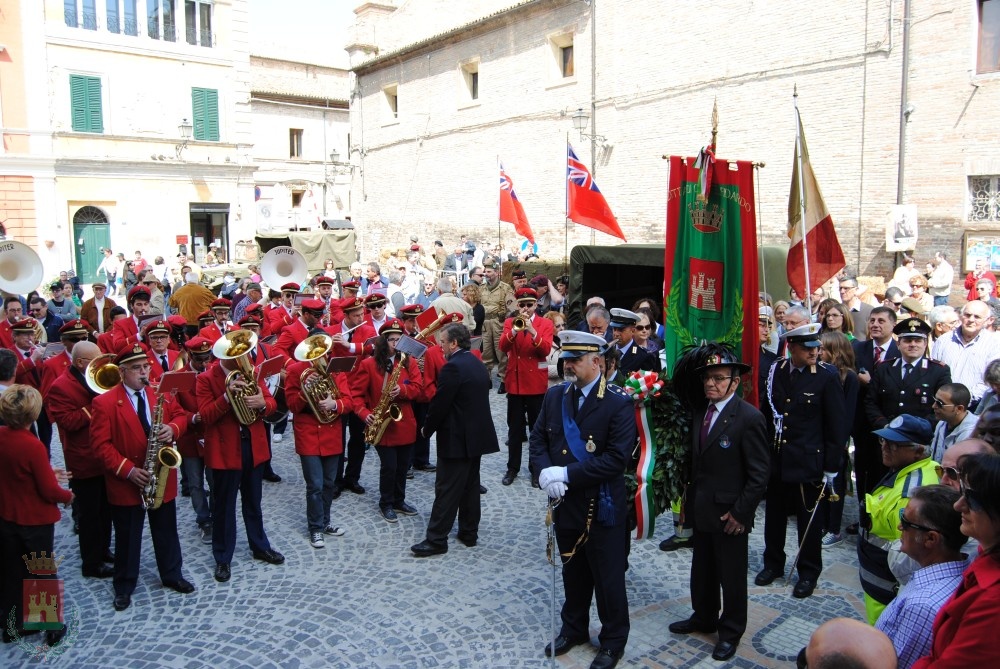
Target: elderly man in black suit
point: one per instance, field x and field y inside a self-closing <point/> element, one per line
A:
<point x="729" y="472"/>
<point x="460" y="414"/>
<point x="580" y="445"/>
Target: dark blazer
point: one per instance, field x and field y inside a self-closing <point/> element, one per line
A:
<point x="730" y="471"/>
<point x="610" y="423"/>
<point x="460" y="410"/>
<point x="814" y="430"/>
<point x="890" y="395"/>
<point x="638" y="358"/>
<point x="864" y="353"/>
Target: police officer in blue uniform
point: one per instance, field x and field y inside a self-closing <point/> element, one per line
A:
<point x="632" y="356"/>
<point x="804" y="401"/>
<point x="580" y="444"/>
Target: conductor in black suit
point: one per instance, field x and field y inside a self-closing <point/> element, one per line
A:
<point x="729" y="472"/>
<point x="580" y="445"/>
<point x="460" y="414"/>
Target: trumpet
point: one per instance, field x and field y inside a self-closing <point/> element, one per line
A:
<point x="317" y="384"/>
<point x="519" y="324"/>
<point x="236" y="346"/>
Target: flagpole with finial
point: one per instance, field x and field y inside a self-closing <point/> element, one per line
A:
<point x="715" y="125"/>
<point x="802" y="196"/>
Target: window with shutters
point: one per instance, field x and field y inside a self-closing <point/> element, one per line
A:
<point x="85" y="103"/>
<point x="205" y="112"/>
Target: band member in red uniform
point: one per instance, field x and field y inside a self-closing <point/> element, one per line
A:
<point x="236" y="454"/>
<point x="106" y="340"/>
<point x="420" y="457"/>
<point x="53" y="367"/>
<point x="349" y="337"/>
<point x="161" y="356"/>
<point x="256" y="312"/>
<point x="310" y="314"/>
<point x="371" y="387"/>
<point x="13" y="312"/>
<point x="178" y="332"/>
<point x="28" y="499"/>
<point x="120" y="430"/>
<point x="192" y="444"/>
<point x="221" y="309"/>
<point x="69" y="401"/>
<point x="320" y="445"/>
<point x="285" y="314"/>
<point x="31" y="357"/>
<point x="527" y="379"/>
<point x="376" y="311"/>
<point x="275" y="385"/>
<point x="324" y="293"/>
<point x="125" y="331"/>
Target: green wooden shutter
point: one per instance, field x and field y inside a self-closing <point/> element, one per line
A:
<point x="205" y="111"/>
<point x="85" y="103"/>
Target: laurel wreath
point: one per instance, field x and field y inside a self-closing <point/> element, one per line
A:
<point x="43" y="651"/>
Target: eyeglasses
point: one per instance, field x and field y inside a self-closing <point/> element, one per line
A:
<point x="940" y="403"/>
<point x="897" y="304"/>
<point x="971" y="497"/>
<point x="951" y="472"/>
<point x="904" y="524"/>
<point x="139" y="368"/>
<point x="716" y="379"/>
<point x="643" y="327"/>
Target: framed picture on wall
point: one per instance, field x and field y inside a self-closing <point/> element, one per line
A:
<point x="981" y="244"/>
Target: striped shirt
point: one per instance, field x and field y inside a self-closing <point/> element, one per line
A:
<point x="968" y="360"/>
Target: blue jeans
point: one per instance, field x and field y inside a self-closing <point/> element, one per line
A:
<point x="195" y="475"/>
<point x="940" y="299"/>
<point x="320" y="474"/>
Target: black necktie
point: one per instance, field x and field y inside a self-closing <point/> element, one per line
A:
<point x="907" y="368"/>
<point x="163" y="363"/>
<point x="253" y="355"/>
<point x="140" y="410"/>
<point x="27" y="354"/>
<point x="796" y="373"/>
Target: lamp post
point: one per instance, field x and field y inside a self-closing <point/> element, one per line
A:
<point x="185" y="130"/>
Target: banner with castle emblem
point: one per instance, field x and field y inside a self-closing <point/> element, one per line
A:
<point x="42" y="598"/>
<point x="710" y="262"/>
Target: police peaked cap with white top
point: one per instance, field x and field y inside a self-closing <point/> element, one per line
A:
<point x="807" y="335"/>
<point x="574" y="344"/>
<point x="623" y="318"/>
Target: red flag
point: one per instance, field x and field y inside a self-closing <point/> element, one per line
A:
<point x="511" y="210"/>
<point x="817" y="236"/>
<point x="585" y="204"/>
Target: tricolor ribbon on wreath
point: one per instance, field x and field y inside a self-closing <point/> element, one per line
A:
<point x="642" y="387"/>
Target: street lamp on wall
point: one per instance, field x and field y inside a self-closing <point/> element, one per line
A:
<point x="185" y="130"/>
<point x="581" y="120"/>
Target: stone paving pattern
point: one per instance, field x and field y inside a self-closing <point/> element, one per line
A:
<point x="365" y="601"/>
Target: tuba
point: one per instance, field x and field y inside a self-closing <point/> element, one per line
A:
<point x="316" y="381"/>
<point x="102" y="374"/>
<point x="236" y="346"/>
<point x="386" y="411"/>
<point x="282" y="265"/>
<point x="21" y="269"/>
<point x="159" y="461"/>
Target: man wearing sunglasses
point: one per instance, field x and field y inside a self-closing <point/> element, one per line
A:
<point x="955" y="421"/>
<point x="905" y="451"/>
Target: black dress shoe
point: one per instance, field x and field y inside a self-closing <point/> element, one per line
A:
<point x="534" y="482"/>
<point x="502" y="390"/>
<point x="356" y="488"/>
<point x="270" y="556"/>
<point x="336" y="492"/>
<point x="409" y="474"/>
<point x="272" y="477"/>
<point x="852" y="528"/>
<point x="104" y="571"/>
<point x="482" y="489"/>
<point x="222" y="572"/>
<point x="724" y="650"/>
<point x="803" y="588"/>
<point x="181" y="585"/>
<point x="405" y="509"/>
<point x="606" y="659"/>
<point x="109" y="557"/>
<point x="688" y="626"/>
<point x="563" y="645"/>
<point x="766" y="576"/>
<point x="468" y="541"/>
<point x="674" y="542"/>
<point x="508" y="478"/>
<point x="426" y="468"/>
<point x="426" y="549"/>
<point x="122" y="602"/>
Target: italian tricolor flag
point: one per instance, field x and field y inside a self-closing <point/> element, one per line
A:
<point x="817" y="239"/>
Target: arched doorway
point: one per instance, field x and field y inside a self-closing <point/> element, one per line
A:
<point x="92" y="233"/>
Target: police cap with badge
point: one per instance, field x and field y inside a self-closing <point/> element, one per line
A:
<point x="623" y="318"/>
<point x="912" y="328"/>
<point x="806" y="335"/>
<point x="575" y="344"/>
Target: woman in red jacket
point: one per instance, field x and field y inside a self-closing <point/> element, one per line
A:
<point x="368" y="384"/>
<point x="28" y="498"/>
<point x="319" y="445"/>
<point x="963" y="629"/>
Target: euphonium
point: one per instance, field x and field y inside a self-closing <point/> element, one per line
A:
<point x="518" y="324"/>
<point x="102" y="374"/>
<point x="236" y="346"/>
<point x="386" y="411"/>
<point x="159" y="461"/>
<point x="316" y="381"/>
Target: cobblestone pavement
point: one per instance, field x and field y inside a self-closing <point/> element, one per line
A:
<point x="365" y="601"/>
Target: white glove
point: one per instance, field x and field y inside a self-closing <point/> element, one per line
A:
<point x="555" y="490"/>
<point x="829" y="476"/>
<point x="550" y="474"/>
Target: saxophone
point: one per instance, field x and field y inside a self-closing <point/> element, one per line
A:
<point x="159" y="460"/>
<point x="386" y="411"/>
<point x="316" y="381"/>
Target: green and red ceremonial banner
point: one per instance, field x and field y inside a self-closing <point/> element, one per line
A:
<point x="710" y="264"/>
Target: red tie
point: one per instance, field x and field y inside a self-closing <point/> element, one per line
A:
<point x="878" y="354"/>
<point x="706" y="424"/>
